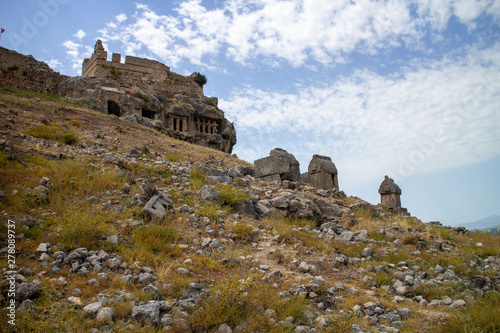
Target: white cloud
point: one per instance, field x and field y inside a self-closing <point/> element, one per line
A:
<point x="80" y="34"/>
<point x="121" y="17"/>
<point x="75" y="53"/>
<point x="296" y="32"/>
<point x="54" y="64"/>
<point x="434" y="117"/>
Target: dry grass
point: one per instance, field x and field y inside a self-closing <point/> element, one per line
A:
<point x="294" y="231"/>
<point x="479" y="317"/>
<point x="236" y="300"/>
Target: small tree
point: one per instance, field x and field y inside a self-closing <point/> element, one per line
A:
<point x="200" y="79"/>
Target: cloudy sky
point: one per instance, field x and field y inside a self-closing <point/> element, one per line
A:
<point x="410" y="89"/>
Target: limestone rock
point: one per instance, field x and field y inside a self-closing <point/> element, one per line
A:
<point x="91" y="310"/>
<point x="105" y="314"/>
<point x="26" y="291"/>
<point x="157" y="207"/>
<point x="147" y="314"/>
<point x="208" y="193"/>
<point x="323" y="173"/>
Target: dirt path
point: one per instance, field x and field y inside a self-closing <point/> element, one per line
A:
<point x="264" y="252"/>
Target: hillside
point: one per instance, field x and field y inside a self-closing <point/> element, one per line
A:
<point x="120" y="228"/>
<point x="486" y="223"/>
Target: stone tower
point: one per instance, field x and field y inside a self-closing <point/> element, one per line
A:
<point x="390" y="194"/>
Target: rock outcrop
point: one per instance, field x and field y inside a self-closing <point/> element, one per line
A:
<point x="25" y="72"/>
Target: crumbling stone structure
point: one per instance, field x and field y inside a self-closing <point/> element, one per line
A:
<point x="149" y="89"/>
<point x="390" y="195"/>
<point x="279" y="165"/>
<point x="135" y="70"/>
<point x="323" y="173"/>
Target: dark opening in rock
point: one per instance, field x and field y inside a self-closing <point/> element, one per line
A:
<point x="113" y="108"/>
<point x="148" y="114"/>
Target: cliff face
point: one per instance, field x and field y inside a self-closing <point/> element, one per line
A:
<point x="138" y="87"/>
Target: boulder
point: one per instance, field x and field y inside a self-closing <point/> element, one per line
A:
<point x="26" y="291"/>
<point x="92" y="309"/>
<point x="147" y="314"/>
<point x="280" y="165"/>
<point x="157" y="207"/>
<point x="208" y="193"/>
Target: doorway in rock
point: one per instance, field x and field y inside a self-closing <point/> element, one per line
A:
<point x="148" y="113"/>
<point x="113" y="108"/>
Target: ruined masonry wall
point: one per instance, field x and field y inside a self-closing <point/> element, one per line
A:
<point x="133" y="71"/>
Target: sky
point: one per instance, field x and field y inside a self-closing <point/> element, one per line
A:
<point x="409" y="89"/>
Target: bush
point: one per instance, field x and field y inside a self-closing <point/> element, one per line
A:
<point x="175" y="158"/>
<point x="70" y="138"/>
<point x="212" y="211"/>
<point x="235" y="301"/>
<point x="142" y="96"/>
<point x="230" y="195"/>
<point x="13" y="68"/>
<point x="75" y="123"/>
<point x="155" y="238"/>
<point x="200" y="79"/>
<point x="78" y="228"/>
<point x="44" y="132"/>
<point x="197" y="177"/>
<point x="53" y="133"/>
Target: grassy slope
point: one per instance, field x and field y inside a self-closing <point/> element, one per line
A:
<point x="68" y="220"/>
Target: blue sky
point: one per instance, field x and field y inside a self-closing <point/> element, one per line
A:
<point x="410" y="89"/>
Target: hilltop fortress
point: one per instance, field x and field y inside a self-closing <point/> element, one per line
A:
<point x="140" y="90"/>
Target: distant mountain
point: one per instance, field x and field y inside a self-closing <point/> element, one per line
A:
<point x="486" y="223"/>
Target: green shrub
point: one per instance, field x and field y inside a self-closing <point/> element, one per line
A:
<point x="242" y="230"/>
<point x="197" y="177"/>
<point x="236" y="300"/>
<point x="44" y="131"/>
<point x="142" y="96"/>
<point x="52" y="133"/>
<point x="230" y="195"/>
<point x="70" y="138"/>
<point x="212" y="211"/>
<point x="212" y="102"/>
<point x="175" y="158"/>
<point x="75" y="123"/>
<point x="155" y="238"/>
<point x="200" y="79"/>
<point x="13" y="68"/>
<point x="79" y="228"/>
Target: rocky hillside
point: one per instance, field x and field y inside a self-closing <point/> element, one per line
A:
<point x="120" y="228"/>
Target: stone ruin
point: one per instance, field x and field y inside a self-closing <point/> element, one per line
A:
<point x="147" y="88"/>
<point x="279" y="165"/>
<point x="323" y="173"/>
<point x="390" y="195"/>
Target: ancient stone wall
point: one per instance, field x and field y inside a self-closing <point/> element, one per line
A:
<point x="138" y="72"/>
